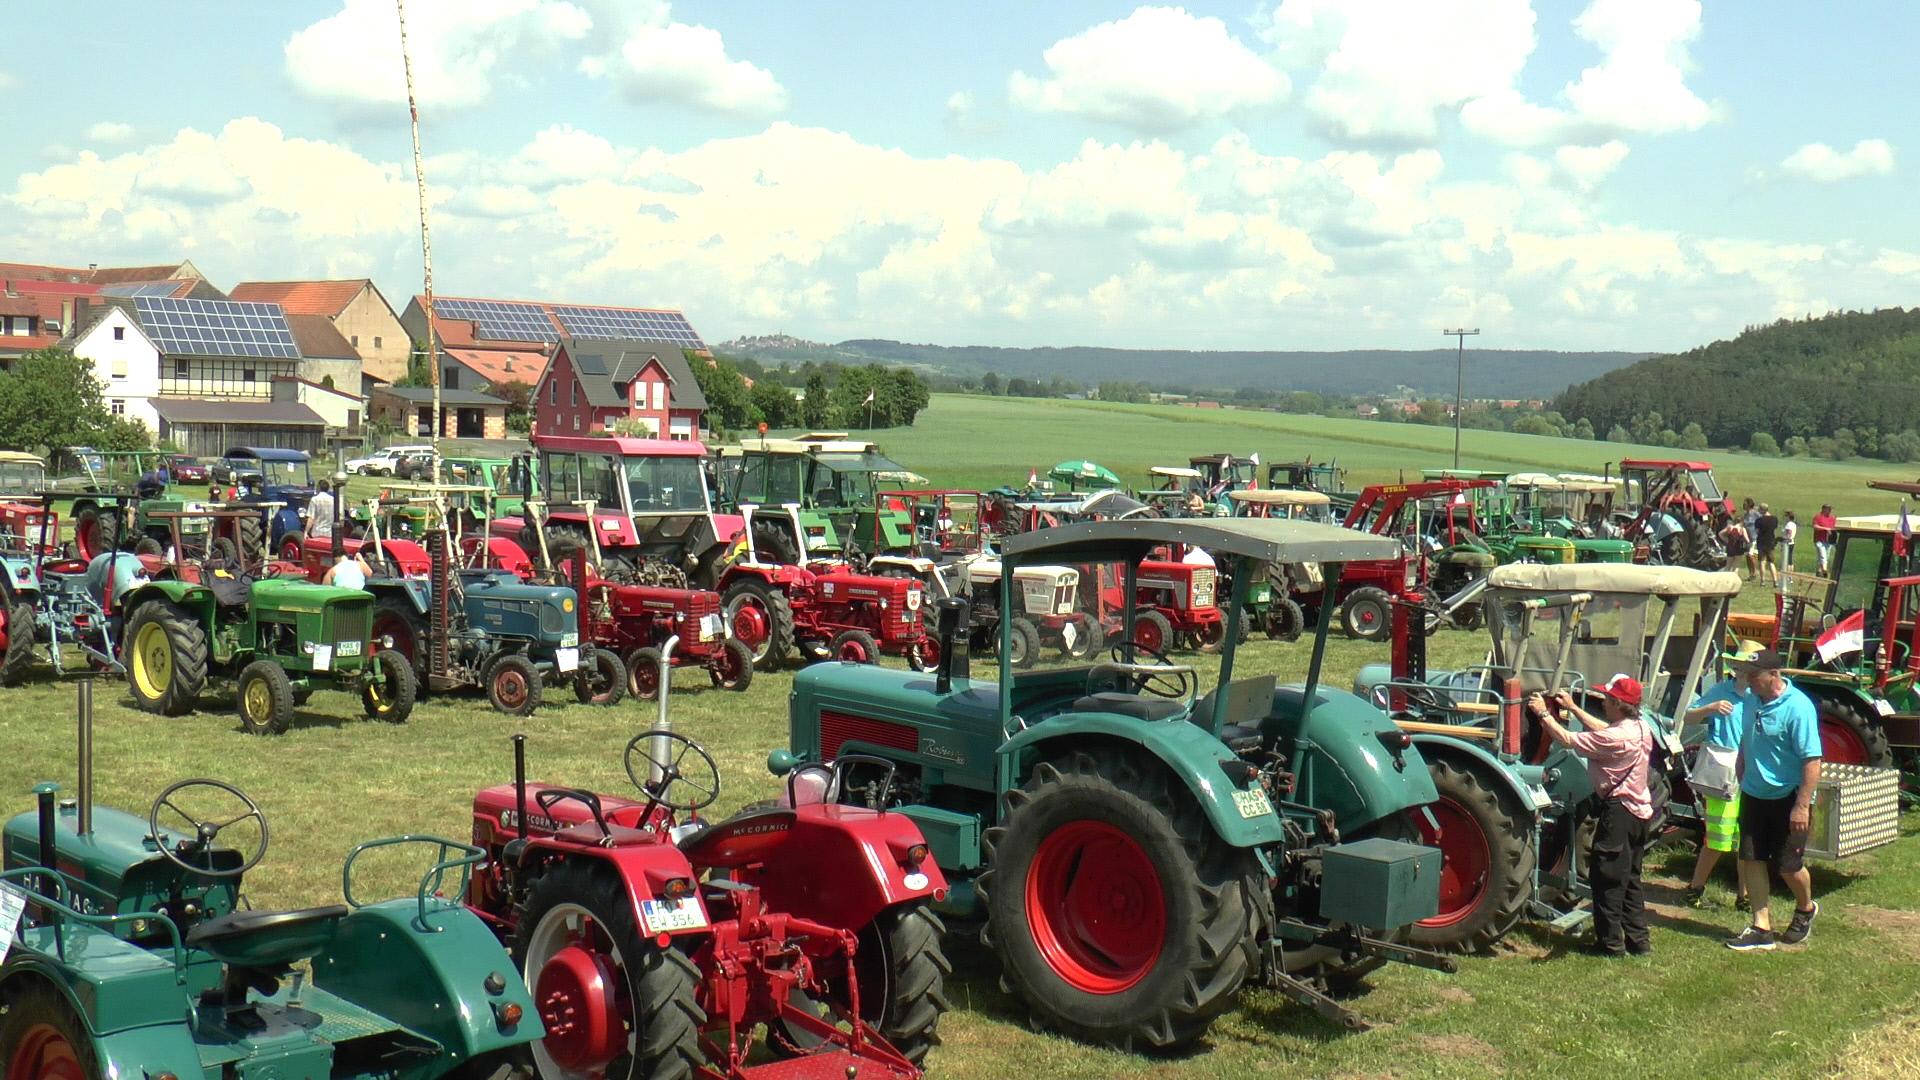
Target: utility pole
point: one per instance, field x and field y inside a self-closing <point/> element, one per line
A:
<point x="426" y="241"/>
<point x="1459" y="384"/>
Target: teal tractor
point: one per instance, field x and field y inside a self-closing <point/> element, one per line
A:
<point x="137" y="954"/>
<point x="1136" y="852"/>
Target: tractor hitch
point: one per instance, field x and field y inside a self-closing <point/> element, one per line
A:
<point x="1352" y="945"/>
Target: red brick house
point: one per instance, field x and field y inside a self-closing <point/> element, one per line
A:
<point x="592" y="385"/>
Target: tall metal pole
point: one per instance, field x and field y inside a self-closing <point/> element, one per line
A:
<point x="1459" y="384"/>
<point x="426" y="241"/>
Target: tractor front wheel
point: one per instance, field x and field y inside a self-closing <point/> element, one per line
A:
<point x="1487" y="852"/>
<point x="601" y="680"/>
<point x="1211" y="637"/>
<point x="42" y="1038"/>
<point x="18" y="657"/>
<point x="760" y="617"/>
<point x="1117" y="912"/>
<point x="854" y="647"/>
<point x="732" y="668"/>
<point x="924" y="653"/>
<point x="513" y="685"/>
<point x="1023" y="644"/>
<point x="1367" y="614"/>
<point x="401" y="629"/>
<point x="643" y="673"/>
<point x="166" y="659"/>
<point x="614" y="1002"/>
<point x="390" y="687"/>
<point x="1286" y="620"/>
<point x="264" y="698"/>
<point x="1152" y="631"/>
<point x="1848" y="737"/>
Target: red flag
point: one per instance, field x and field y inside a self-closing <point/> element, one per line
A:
<point x="1849" y="635"/>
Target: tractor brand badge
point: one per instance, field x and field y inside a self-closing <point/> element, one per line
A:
<point x="510" y="819"/>
<point x="1252" y="804"/>
<point x="944" y="753"/>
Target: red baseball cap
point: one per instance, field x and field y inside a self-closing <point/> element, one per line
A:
<point x="1624" y="689"/>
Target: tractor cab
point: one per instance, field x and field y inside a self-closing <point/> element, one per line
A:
<point x="640" y="507"/>
<point x="79" y="468"/>
<point x="280" y="480"/>
<point x="819" y="495"/>
<point x="1221" y="473"/>
<point x="1669" y="512"/>
<point x="21" y="474"/>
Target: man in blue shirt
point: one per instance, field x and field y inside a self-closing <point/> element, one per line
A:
<point x="1779" y="773"/>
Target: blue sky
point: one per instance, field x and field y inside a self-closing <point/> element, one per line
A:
<point x="1639" y="174"/>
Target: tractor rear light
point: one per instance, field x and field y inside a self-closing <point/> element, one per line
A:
<point x="1395" y="740"/>
<point x="677" y="889"/>
<point x="916" y="855"/>
<point x="507" y="1014"/>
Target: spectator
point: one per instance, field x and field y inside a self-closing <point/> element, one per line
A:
<point x="1750" y="517"/>
<point x="1733" y="537"/>
<point x="1823" y="523"/>
<point x="1766" y="537"/>
<point x="1723" y="708"/>
<point x="1779" y="774"/>
<point x="1618" y="752"/>
<point x="1789" y="535"/>
<point x="347" y="572"/>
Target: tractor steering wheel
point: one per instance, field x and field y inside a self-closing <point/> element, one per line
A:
<point x="1162" y="679"/>
<point x="656" y="751"/>
<point x="204" y="831"/>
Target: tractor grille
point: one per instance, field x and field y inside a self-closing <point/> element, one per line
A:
<point x="838" y="729"/>
<point x="1202" y="588"/>
<point x="352" y="622"/>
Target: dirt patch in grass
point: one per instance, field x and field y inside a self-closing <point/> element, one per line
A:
<point x="1452" y="995"/>
<point x="1902" y="927"/>
<point x="1889" y="1049"/>
<point x="1471" y="1056"/>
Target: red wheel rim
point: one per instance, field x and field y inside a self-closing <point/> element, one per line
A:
<point x="924" y="654"/>
<point x="855" y="650"/>
<point x="1095" y="904"/>
<point x="1465" y="858"/>
<point x="1365" y="616"/>
<point x="1146" y="634"/>
<point x="1840" y="744"/>
<point x="290" y="551"/>
<point x="750" y="624"/>
<point x="644" y="681"/>
<point x="397" y="628"/>
<point x="510" y="686"/>
<point x="579" y="993"/>
<point x="44" y="1054"/>
<point x="727" y="669"/>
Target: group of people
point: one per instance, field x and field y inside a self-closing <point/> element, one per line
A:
<point x="1757" y="539"/>
<point x="1769" y="730"/>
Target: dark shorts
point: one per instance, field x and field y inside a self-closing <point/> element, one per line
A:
<point x="1766" y="549"/>
<point x="1766" y="836"/>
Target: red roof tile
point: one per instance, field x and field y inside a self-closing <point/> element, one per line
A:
<point x="502" y="365"/>
<point x="37" y="287"/>
<point x="327" y="298"/>
<point x="38" y="272"/>
<point x="127" y="275"/>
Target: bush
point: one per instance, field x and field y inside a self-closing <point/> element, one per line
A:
<point x="1763" y="444"/>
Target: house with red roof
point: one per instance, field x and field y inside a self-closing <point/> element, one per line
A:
<point x="356" y="309"/>
<point x="595" y="385"/>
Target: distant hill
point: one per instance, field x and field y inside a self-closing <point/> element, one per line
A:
<point x="1503" y="373"/>
<point x="1807" y="378"/>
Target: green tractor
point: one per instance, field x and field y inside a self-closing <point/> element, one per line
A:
<point x="832" y="488"/>
<point x="137" y="955"/>
<point x="1136" y="851"/>
<point x="275" y="639"/>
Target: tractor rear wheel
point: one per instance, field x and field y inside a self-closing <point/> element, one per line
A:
<point x="1023" y="645"/>
<point x="1286" y="619"/>
<point x="395" y="620"/>
<point x="615" y="1003"/>
<point x="601" y="680"/>
<point x="166" y="659"/>
<point x="513" y="685"/>
<point x="293" y="546"/>
<point x="1488" y="854"/>
<point x="251" y="539"/>
<point x="18" y="658"/>
<point x="42" y="1038"/>
<point x="1367" y="614"/>
<point x="732" y="669"/>
<point x="221" y="550"/>
<point x="1118" y="914"/>
<point x="149" y="546"/>
<point x="562" y="542"/>
<point x="390" y="687"/>
<point x="1152" y="631"/>
<point x="774" y="544"/>
<point x="1849" y="737"/>
<point x="854" y="646"/>
<point x="263" y="697"/>
<point x="760" y="617"/>
<point x="902" y="971"/>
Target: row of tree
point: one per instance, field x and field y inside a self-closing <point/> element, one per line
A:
<point x="50" y="399"/>
<point x="831" y="395"/>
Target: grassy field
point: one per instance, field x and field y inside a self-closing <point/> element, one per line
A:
<point x="1844" y="1006"/>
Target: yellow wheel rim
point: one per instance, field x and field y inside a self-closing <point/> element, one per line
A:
<point x="152" y="661"/>
<point x="258" y="701"/>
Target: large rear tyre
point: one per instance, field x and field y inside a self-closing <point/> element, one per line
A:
<point x="1488" y="854"/>
<point x="165" y="654"/>
<point x="1118" y="914"/>
<point x="1367" y="614"/>
<point x="774" y="543"/>
<point x="602" y="679"/>
<point x="263" y="698"/>
<point x="17" y="660"/>
<point x="598" y="983"/>
<point x="401" y="629"/>
<point x="1849" y="737"/>
<point x="902" y="971"/>
<point x="760" y="617"/>
<point x="42" y="1038"/>
<point x="390" y="688"/>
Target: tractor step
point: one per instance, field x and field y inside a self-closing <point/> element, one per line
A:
<point x="1572" y="920"/>
<point x="825" y="1065"/>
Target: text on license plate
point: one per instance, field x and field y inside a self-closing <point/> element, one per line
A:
<point x="1252" y="804"/>
<point x="665" y="916"/>
<point x="347" y="648"/>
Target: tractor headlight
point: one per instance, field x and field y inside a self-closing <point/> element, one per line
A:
<point x="307" y="647"/>
<point x="566" y="605"/>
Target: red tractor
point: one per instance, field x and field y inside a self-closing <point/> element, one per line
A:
<point x="635" y="622"/>
<point x="1670" y="511"/>
<point x="1442" y="557"/>
<point x="657" y="944"/>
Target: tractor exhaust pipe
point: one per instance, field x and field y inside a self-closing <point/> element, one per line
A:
<point x="86" y="756"/>
<point x="655" y="772"/>
<point x="520" y="785"/>
<point x="48" y="858"/>
<point x="955" y="613"/>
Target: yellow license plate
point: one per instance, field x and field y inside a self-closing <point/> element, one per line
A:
<point x="1252" y="804"/>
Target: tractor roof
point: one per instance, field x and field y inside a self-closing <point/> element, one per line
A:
<point x="1613" y="578"/>
<point x="1650" y="463"/>
<point x="1266" y="539"/>
<point x="14" y="457"/>
<point x="1173" y="470"/>
<point x="1873" y="523"/>
<point x="1280" y="497"/>
<point x="265" y="453"/>
<point x="621" y="445"/>
<point x="1538" y="481"/>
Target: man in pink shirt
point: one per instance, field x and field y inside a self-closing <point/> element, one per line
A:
<point x="1618" y="750"/>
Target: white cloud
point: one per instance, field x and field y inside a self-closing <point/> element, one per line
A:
<point x="959" y="106"/>
<point x="6" y="81"/>
<point x="1823" y="164"/>
<point x="1588" y="165"/>
<point x="687" y="64"/>
<point x="1159" y="69"/>
<point x="109" y="131"/>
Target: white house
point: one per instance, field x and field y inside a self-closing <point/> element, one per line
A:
<point x="126" y="362"/>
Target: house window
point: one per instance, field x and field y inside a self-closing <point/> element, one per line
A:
<point x="354" y="341"/>
<point x="179" y="369"/>
<point x="119" y="369"/>
<point x="376" y="343"/>
<point x="623" y="389"/>
<point x="553" y="391"/>
<point x="119" y="333"/>
<point x="452" y="379"/>
<point x="246" y="374"/>
<point x="576" y="421"/>
<point x="119" y="407"/>
<point x="573" y="393"/>
<point x="659" y="395"/>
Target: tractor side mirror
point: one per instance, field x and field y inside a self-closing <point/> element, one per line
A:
<point x="1828" y="622"/>
<point x="953" y="616"/>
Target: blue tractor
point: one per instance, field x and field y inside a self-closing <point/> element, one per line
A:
<point x="280" y="480"/>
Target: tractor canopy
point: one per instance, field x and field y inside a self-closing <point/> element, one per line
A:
<point x="21" y="474"/>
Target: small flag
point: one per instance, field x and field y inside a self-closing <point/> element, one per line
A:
<point x="1849" y="635"/>
<point x="869" y="400"/>
<point x="1255" y="458"/>
<point x="1903" y="536"/>
<point x="1033" y="477"/>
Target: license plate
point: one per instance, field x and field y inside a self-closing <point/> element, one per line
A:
<point x="709" y="627"/>
<point x="570" y="640"/>
<point x="666" y="916"/>
<point x="1541" y="800"/>
<point x="1883" y="706"/>
<point x="567" y="659"/>
<point x="323" y="658"/>
<point x="347" y="648"/>
<point x="1252" y="804"/>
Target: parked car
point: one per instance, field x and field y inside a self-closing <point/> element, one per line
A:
<point x="383" y="462"/>
<point x="187" y="469"/>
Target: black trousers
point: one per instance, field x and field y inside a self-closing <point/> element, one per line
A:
<point x="1619" y="902"/>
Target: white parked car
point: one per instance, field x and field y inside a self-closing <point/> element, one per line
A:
<point x="383" y="462"/>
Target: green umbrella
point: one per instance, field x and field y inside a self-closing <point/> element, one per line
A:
<point x="1079" y="472"/>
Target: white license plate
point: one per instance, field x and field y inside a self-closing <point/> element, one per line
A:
<point x="569" y="640"/>
<point x="666" y="916"/>
<point x="1252" y="804"/>
<point x="1883" y="706"/>
<point x="709" y="627"/>
<point x="323" y="658"/>
<point x="566" y="659"/>
<point x="1541" y="800"/>
<point x="347" y="648"/>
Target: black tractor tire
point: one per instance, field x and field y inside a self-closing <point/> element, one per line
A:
<point x="903" y="971"/>
<point x="292" y="546"/>
<point x="513" y="685"/>
<point x="774" y="609"/>
<point x="1023" y="642"/>
<point x="1367" y="614"/>
<point x="1849" y="734"/>
<point x="149" y="546"/>
<point x="263" y="698"/>
<point x="1089" y="637"/>
<point x="1499" y="894"/>
<point x="35" y="1011"/>
<point x="735" y="667"/>
<point x="1138" y="823"/>
<point x="1286" y="620"/>
<point x="660" y="983"/>
<point x="774" y="543"/>
<point x="185" y="643"/>
<point x="395" y="616"/>
<point x="390" y="691"/>
<point x="251" y="539"/>
<point x="1212" y="637"/>
<point x="222" y="550"/>
<point x="601" y="680"/>
<point x="562" y="542"/>
<point x="643" y="674"/>
<point x="855" y="646"/>
<point x="18" y="659"/>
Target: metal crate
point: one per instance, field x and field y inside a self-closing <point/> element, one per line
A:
<point x="1856" y="809"/>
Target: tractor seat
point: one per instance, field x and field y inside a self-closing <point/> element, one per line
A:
<point x="265" y="939"/>
<point x="1138" y="706"/>
<point x="588" y="833"/>
<point x="745" y="838"/>
<point x="1240" y="738"/>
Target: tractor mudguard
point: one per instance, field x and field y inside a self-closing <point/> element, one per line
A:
<point x="409" y="555"/>
<point x="843" y="865"/>
<point x="1342" y="758"/>
<point x="644" y="869"/>
<point x="431" y="978"/>
<point x="1194" y="755"/>
<point x="502" y="554"/>
<point x="162" y="1045"/>
<point x="417" y="593"/>
<point x="196" y="600"/>
<point x="776" y="575"/>
<point x="1526" y="795"/>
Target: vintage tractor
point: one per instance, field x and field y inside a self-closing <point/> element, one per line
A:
<point x="64" y="604"/>
<point x="657" y="943"/>
<point x="275" y="640"/>
<point x="1441" y="561"/>
<point x="1669" y="512"/>
<point x="138" y="957"/>
<point x="834" y="491"/>
<point x="1221" y="473"/>
<point x="1272" y="606"/>
<point x="1137" y="853"/>
<point x="280" y="482"/>
<point x="636" y="622"/>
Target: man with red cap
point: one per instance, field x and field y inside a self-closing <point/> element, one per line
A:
<point x="1618" y="750"/>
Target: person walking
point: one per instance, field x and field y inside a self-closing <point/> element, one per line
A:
<point x="1723" y="709"/>
<point x="1750" y="517"/>
<point x="1766" y="537"/>
<point x="1779" y="774"/>
<point x="1823" y="524"/>
<point x="1789" y="536"/>
<point x="1618" y="751"/>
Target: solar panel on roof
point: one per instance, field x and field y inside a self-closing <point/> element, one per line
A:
<point x="582" y="321"/>
<point x="502" y="320"/>
<point x="216" y="327"/>
<point x="143" y="288"/>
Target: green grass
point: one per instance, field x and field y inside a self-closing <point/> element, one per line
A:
<point x="1693" y="1010"/>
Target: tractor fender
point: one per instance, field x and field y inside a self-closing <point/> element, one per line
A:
<point x="1187" y="750"/>
<point x="502" y="554"/>
<point x="1344" y="757"/>
<point x="1526" y="796"/>
<point x="411" y="557"/>
<point x="160" y="1041"/>
<point x="429" y="976"/>
<point x="417" y="593"/>
<point x="913" y="564"/>
<point x="197" y="600"/>
<point x="778" y="576"/>
<point x="643" y="870"/>
<point x="844" y="865"/>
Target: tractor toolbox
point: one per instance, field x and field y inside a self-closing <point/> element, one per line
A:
<point x="1855" y="809"/>
<point x="1379" y="883"/>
